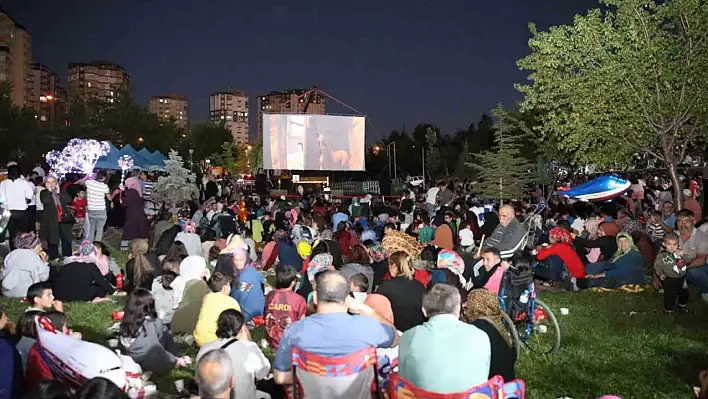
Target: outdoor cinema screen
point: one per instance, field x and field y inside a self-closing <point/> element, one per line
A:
<point x="313" y="142"/>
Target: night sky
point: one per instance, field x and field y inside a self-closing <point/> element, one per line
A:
<point x="399" y="62"/>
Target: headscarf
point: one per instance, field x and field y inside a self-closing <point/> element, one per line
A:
<point x="233" y="242"/>
<point x="482" y="303"/>
<point x="629" y="225"/>
<point x="319" y="263"/>
<point x="395" y="241"/>
<point x="85" y="254"/>
<point x="326" y="234"/>
<point x="27" y="241"/>
<point x="619" y="252"/>
<point x="304" y="249"/>
<point x="135" y="184"/>
<point x="610" y="228"/>
<point x="192" y="268"/>
<point x="559" y="234"/>
<point x="190" y="227"/>
<point x="378" y="253"/>
<point x="381" y="305"/>
<point x="452" y="261"/>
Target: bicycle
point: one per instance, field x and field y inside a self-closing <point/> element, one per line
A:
<point x="534" y="325"/>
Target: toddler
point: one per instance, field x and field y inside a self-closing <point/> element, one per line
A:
<point x="358" y="285"/>
<point x="654" y="227"/>
<point x="79" y="205"/>
<point x="466" y="238"/>
<point x="671" y="269"/>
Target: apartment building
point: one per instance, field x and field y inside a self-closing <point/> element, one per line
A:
<point x="47" y="97"/>
<point x="15" y="58"/>
<point x="171" y="106"/>
<point x="231" y="107"/>
<point x="100" y="79"/>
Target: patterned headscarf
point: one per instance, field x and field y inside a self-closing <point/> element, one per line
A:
<point x="395" y="241"/>
<point x="319" y="263"/>
<point x="27" y="241"/>
<point x="326" y="234"/>
<point x="559" y="234"/>
<point x="452" y="261"/>
<point x="190" y="227"/>
<point x="378" y="253"/>
<point x="86" y="254"/>
<point x="484" y="303"/>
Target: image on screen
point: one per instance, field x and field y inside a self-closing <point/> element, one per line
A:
<point x="313" y="142"/>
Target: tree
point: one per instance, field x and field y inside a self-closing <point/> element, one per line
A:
<point x="503" y="172"/>
<point x="178" y="185"/>
<point x="632" y="78"/>
<point x="20" y="133"/>
<point x="207" y="138"/>
<point x="432" y="154"/>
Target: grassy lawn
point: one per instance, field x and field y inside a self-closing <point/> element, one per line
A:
<point x="604" y="349"/>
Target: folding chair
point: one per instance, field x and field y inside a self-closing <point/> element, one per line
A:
<point x="495" y="388"/>
<point x="352" y="376"/>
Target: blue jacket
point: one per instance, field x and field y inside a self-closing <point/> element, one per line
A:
<point x="248" y="291"/>
<point x="628" y="269"/>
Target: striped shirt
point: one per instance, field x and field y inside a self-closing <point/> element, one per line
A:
<point x="147" y="188"/>
<point x="96" y="195"/>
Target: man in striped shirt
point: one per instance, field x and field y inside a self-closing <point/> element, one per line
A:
<point x="146" y="183"/>
<point x="96" y="193"/>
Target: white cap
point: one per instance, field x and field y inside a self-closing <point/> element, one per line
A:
<point x="687" y="192"/>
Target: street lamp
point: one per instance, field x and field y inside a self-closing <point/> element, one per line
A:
<point x="191" y="163"/>
<point x="377" y="149"/>
<point x="140" y="139"/>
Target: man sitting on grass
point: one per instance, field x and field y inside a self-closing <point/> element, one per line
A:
<point x="41" y="297"/>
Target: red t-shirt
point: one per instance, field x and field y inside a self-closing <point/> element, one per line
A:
<point x="80" y="207"/>
<point x="282" y="308"/>
<point x="569" y="256"/>
<point x="37" y="369"/>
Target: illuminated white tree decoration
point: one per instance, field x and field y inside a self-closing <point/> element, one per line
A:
<point x="79" y="156"/>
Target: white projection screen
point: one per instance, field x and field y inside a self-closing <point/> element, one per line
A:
<point x="313" y="142"/>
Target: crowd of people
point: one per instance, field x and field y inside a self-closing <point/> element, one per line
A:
<point x="410" y="286"/>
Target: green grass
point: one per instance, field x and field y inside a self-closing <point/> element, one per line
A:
<point x="604" y="350"/>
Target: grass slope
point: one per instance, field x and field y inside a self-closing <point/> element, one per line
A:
<point x="604" y="348"/>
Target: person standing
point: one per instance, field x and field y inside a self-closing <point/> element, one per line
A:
<point x="431" y="199"/>
<point x="16" y="193"/>
<point x="135" y="219"/>
<point x="96" y="194"/>
<point x="51" y="214"/>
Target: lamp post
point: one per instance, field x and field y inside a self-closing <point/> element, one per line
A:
<point x="191" y="163"/>
<point x="389" y="151"/>
<point x="248" y="156"/>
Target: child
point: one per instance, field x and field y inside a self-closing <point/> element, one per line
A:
<point x="215" y="302"/>
<point x="671" y="269"/>
<point x="165" y="296"/>
<point x="283" y="306"/>
<point x="654" y="227"/>
<point x="358" y="285"/>
<point x="10" y="365"/>
<point x="144" y="338"/>
<point x="37" y="369"/>
<point x="79" y="205"/>
<point x="466" y="238"/>
<point x="41" y="297"/>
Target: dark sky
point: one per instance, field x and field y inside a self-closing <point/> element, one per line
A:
<point x="399" y="62"/>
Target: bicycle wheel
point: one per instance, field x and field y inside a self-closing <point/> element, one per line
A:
<point x="544" y="336"/>
<point x="511" y="333"/>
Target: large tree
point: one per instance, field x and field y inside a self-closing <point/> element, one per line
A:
<point x="502" y="171"/>
<point x="631" y="78"/>
<point x="207" y="138"/>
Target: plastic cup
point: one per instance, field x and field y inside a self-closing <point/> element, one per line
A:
<point x="113" y="343"/>
<point x="564" y="311"/>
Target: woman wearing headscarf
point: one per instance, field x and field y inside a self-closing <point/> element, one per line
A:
<point x="625" y="266"/>
<point x="483" y="311"/>
<point x="80" y="279"/>
<point x="605" y="241"/>
<point x="491" y="221"/>
<point x="247" y="285"/>
<point x="359" y="262"/>
<point x="444" y="237"/>
<point x="450" y="269"/>
<point x="319" y="263"/>
<point x="191" y="288"/>
<point x="50" y="216"/>
<point x="379" y="261"/>
<point x="135" y="220"/>
<point x="558" y="256"/>
<point x="24" y="266"/>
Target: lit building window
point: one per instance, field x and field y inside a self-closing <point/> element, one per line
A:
<point x="43" y="99"/>
<point x="43" y="118"/>
<point x="160" y="100"/>
<point x="111" y="93"/>
<point x="245" y="114"/>
<point x="88" y="84"/>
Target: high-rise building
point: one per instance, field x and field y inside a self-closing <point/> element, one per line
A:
<point x="289" y="102"/>
<point x="15" y="58"/>
<point x="101" y="79"/>
<point x="171" y="106"/>
<point x="231" y="107"/>
<point x="47" y="96"/>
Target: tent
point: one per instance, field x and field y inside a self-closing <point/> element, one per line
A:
<point x="139" y="162"/>
<point x="159" y="157"/>
<point x="110" y="160"/>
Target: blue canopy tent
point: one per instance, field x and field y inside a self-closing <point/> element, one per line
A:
<point x="159" y="160"/>
<point x="139" y="161"/>
<point x="110" y="160"/>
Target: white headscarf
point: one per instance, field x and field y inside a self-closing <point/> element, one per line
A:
<point x="192" y="268"/>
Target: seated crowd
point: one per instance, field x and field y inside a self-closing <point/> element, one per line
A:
<point x="415" y="300"/>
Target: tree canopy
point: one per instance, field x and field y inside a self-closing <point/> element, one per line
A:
<point x="631" y="78"/>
